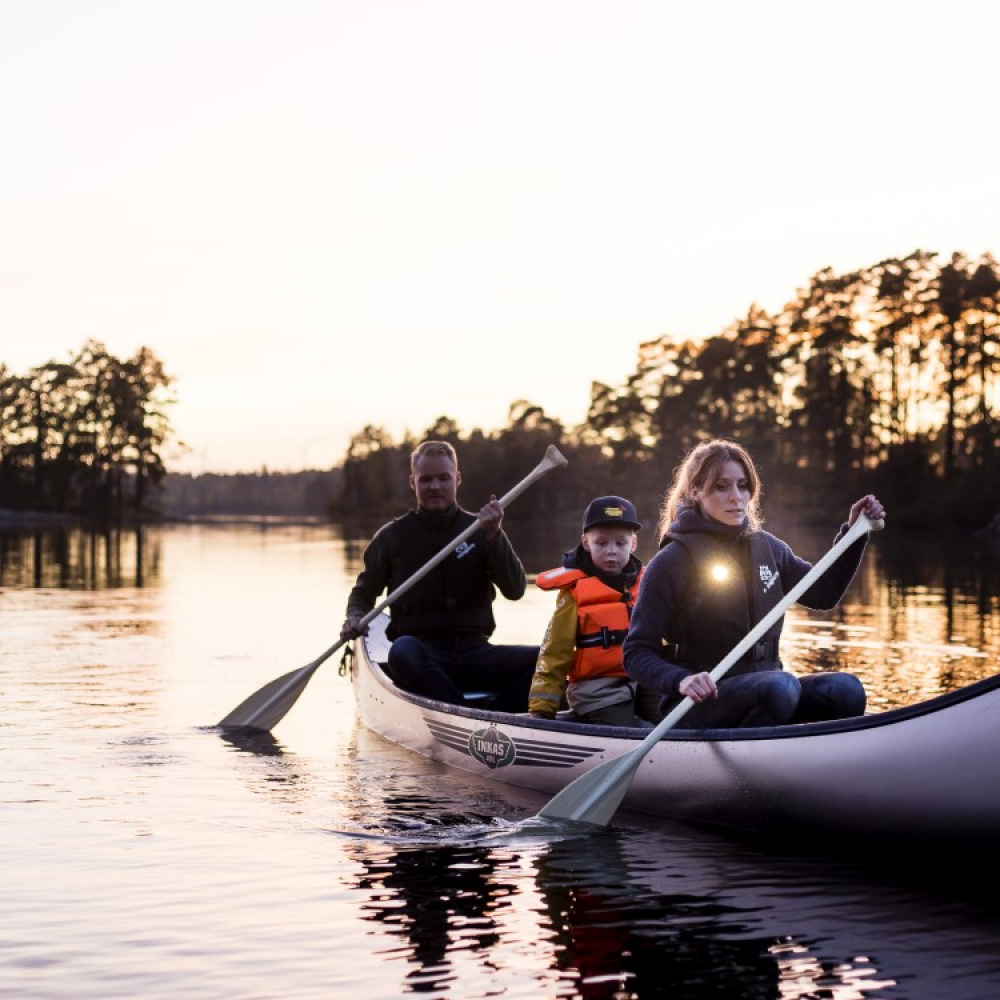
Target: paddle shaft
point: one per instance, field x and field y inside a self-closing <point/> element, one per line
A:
<point x="268" y="705"/>
<point x="594" y="796"/>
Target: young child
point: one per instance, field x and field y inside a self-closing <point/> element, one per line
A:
<point x="580" y="658"/>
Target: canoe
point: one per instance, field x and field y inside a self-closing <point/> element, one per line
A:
<point x="930" y="771"/>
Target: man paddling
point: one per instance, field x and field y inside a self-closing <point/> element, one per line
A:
<point x="441" y="627"/>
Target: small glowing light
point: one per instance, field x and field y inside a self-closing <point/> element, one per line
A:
<point x="720" y="573"/>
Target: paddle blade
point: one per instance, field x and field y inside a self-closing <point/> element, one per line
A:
<point x="594" y="797"/>
<point x="267" y="707"/>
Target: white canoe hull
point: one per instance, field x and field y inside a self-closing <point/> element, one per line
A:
<point x="930" y="771"/>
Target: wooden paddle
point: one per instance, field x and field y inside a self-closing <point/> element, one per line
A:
<point x="267" y="706"/>
<point x="594" y="797"/>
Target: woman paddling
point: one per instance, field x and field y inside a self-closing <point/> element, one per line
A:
<point x="716" y="574"/>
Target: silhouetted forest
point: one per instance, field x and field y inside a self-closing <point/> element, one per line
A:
<point x="879" y="380"/>
<point x="84" y="436"/>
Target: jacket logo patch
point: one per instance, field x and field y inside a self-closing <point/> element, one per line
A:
<point x="463" y="550"/>
<point x="768" y="578"/>
<point x="492" y="747"/>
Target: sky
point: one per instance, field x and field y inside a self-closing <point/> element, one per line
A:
<point x="324" y="215"/>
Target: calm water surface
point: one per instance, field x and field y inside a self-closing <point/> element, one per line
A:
<point x="145" y="855"/>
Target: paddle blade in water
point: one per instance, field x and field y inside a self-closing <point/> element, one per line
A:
<point x="267" y="706"/>
<point x="594" y="797"/>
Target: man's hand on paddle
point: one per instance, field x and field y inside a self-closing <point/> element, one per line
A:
<point x="490" y="517"/>
<point x="351" y="628"/>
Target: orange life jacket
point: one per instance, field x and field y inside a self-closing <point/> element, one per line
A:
<point x="603" y="615"/>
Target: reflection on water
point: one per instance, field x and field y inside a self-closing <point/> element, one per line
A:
<point x="79" y="559"/>
<point x="253" y="741"/>
<point x="146" y="854"/>
<point x="659" y="911"/>
<point x="721" y="909"/>
<point x="437" y="899"/>
<point x="613" y="929"/>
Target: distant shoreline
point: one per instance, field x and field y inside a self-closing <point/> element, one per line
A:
<point x="35" y="518"/>
<point x="50" y="519"/>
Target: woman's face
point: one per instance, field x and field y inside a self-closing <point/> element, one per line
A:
<point x="727" y="499"/>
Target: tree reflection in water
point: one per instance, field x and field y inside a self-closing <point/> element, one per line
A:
<point x="625" y="913"/>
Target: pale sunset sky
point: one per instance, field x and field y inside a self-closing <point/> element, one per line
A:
<point x="322" y="215"/>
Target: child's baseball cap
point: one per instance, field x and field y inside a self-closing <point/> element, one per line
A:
<point x="610" y="510"/>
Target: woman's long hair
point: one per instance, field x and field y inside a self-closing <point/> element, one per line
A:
<point x="700" y="470"/>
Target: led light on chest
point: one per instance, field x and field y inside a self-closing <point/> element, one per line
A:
<point x="720" y="573"/>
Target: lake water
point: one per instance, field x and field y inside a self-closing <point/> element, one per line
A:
<point x="146" y="855"/>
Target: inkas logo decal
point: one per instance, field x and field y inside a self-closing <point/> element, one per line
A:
<point x="492" y="747"/>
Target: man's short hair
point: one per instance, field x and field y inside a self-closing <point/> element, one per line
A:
<point x="441" y="449"/>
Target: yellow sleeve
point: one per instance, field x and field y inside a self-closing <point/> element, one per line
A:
<point x="555" y="657"/>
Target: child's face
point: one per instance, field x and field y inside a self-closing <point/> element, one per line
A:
<point x="609" y="546"/>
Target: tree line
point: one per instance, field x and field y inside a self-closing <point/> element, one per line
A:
<point x="883" y="379"/>
<point x="85" y="436"/>
<point x="305" y="494"/>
